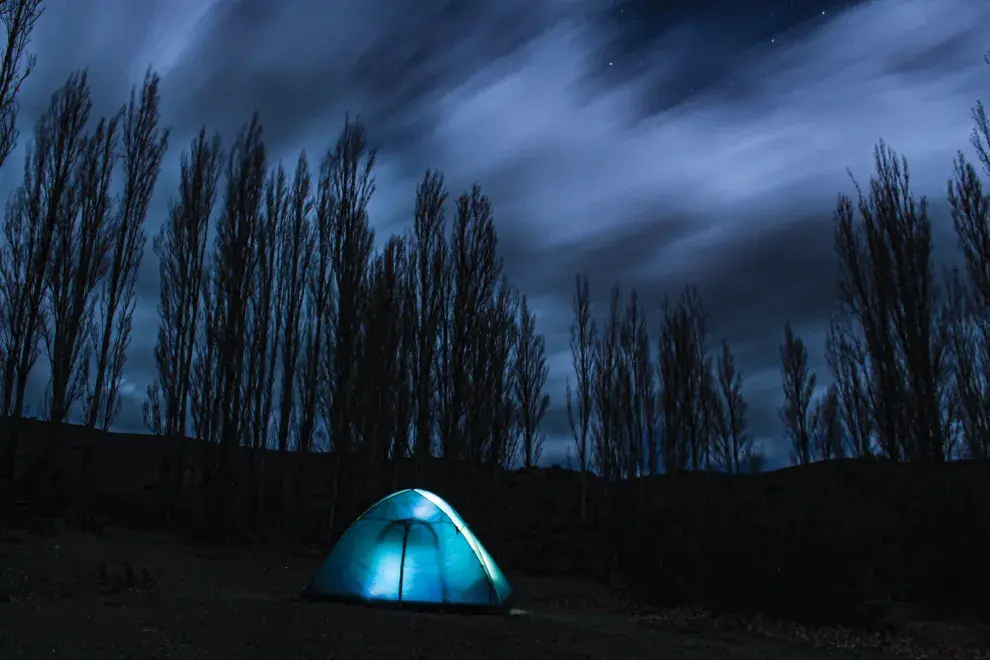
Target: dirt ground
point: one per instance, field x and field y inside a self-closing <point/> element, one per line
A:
<point x="124" y="594"/>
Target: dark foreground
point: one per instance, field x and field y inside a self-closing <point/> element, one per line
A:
<point x="125" y="594"/>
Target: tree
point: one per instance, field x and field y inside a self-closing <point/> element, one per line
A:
<point x="635" y="388"/>
<point x="888" y="288"/>
<point x="849" y="366"/>
<point x="18" y="18"/>
<point x="295" y="257"/>
<point x="349" y="171"/>
<point x="317" y="336"/>
<point x="382" y="387"/>
<point x="583" y="338"/>
<point x="205" y="403"/>
<point x="980" y="138"/>
<point x="144" y="146"/>
<point x="181" y="250"/>
<point x="827" y="442"/>
<point x="265" y="327"/>
<point x="530" y="379"/>
<point x="646" y="383"/>
<point x="605" y="416"/>
<point x="78" y="260"/>
<point x="494" y="410"/>
<point x="732" y="444"/>
<point x="234" y="264"/>
<point x="684" y="375"/>
<point x="644" y="441"/>
<point x="15" y="273"/>
<point x="475" y="273"/>
<point x="798" y="382"/>
<point x="430" y="263"/>
<point x="969" y="294"/>
<point x="30" y="228"/>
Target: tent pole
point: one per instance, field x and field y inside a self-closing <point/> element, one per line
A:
<point x="402" y="561"/>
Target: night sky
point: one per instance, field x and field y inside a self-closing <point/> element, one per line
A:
<point x="657" y="143"/>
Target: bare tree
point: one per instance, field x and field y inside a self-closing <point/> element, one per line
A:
<point x="684" y="375"/>
<point x="234" y="264"/>
<point x="980" y="138"/>
<point x="349" y="170"/>
<point x="153" y="411"/>
<point x="827" y="442"/>
<point x="265" y="329"/>
<point x="476" y="272"/>
<point x="295" y="256"/>
<point x="204" y="383"/>
<point x="181" y="250"/>
<point x="381" y="385"/>
<point x="17" y="250"/>
<point x="605" y="416"/>
<point x="144" y="146"/>
<point x="18" y="18"/>
<point x="317" y="335"/>
<point x="849" y="366"/>
<point x="798" y="382"/>
<point x="493" y="353"/>
<point x="430" y="262"/>
<point x="646" y="383"/>
<point x="732" y="443"/>
<point x="969" y="305"/>
<point x="79" y="258"/>
<point x="635" y="387"/>
<point x="31" y="222"/>
<point x="530" y="379"/>
<point x="644" y="440"/>
<point x="888" y="286"/>
<point x="580" y="399"/>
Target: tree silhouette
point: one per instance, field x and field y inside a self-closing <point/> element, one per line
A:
<point x="181" y="250"/>
<point x="827" y="442"/>
<point x="530" y="379"/>
<point x="685" y="384"/>
<point x="350" y="180"/>
<point x="18" y="18"/>
<point x="78" y="261"/>
<point x="732" y="445"/>
<point x="850" y="368"/>
<point x="31" y="228"/>
<point x="429" y="261"/>
<point x="583" y="338"/>
<point x="144" y="145"/>
<point x="969" y="298"/>
<point x="295" y="257"/>
<point x="798" y="382"/>
<point x="888" y="287"/>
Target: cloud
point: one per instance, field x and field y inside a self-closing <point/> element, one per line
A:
<point x="701" y="152"/>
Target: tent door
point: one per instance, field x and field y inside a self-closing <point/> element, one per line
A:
<point x="402" y="561"/>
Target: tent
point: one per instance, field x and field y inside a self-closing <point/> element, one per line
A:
<point x="411" y="548"/>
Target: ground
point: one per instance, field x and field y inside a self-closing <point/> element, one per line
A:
<point x="128" y="594"/>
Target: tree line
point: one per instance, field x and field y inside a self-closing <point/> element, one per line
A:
<point x="281" y="324"/>
<point x="908" y="350"/>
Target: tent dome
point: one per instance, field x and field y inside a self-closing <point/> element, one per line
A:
<point x="411" y="548"/>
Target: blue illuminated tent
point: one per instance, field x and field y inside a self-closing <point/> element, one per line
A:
<point x="411" y="548"/>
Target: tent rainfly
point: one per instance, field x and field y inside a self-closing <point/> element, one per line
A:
<point x="411" y="548"/>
